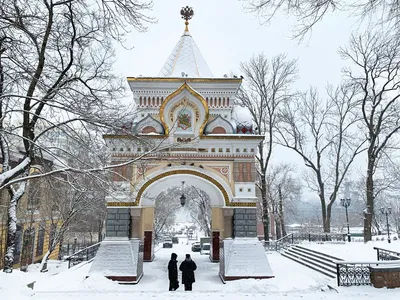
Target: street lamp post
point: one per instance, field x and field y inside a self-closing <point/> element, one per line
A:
<point x="183" y="198"/>
<point x="387" y="211"/>
<point x="346" y="203"/>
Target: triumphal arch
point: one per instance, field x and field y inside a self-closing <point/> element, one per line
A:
<point x="184" y="130"/>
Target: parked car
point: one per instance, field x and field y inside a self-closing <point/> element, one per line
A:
<point x="205" y="249"/>
<point x="175" y="240"/>
<point x="196" y="247"/>
<point x="167" y="243"/>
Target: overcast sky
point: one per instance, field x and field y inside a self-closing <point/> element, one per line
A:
<point x="227" y="35"/>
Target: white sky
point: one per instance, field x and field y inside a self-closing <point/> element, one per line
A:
<point x="227" y="35"/>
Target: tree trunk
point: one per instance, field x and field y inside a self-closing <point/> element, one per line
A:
<point x="369" y="212"/>
<point x="280" y="212"/>
<point x="328" y="217"/>
<point x="265" y="207"/>
<point x="12" y="226"/>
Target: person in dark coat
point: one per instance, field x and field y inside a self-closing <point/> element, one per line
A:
<point x="188" y="266"/>
<point x="173" y="273"/>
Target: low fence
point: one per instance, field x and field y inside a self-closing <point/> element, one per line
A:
<point x="82" y="255"/>
<point x="384" y="254"/>
<point x="295" y="238"/>
<point x="356" y="273"/>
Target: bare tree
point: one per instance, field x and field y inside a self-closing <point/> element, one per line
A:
<point x="199" y="206"/>
<point x="55" y="75"/>
<point x="283" y="190"/>
<point x="69" y="196"/>
<point x="166" y="207"/>
<point x="321" y="132"/>
<point x="309" y="13"/>
<point x="267" y="88"/>
<point x="375" y="73"/>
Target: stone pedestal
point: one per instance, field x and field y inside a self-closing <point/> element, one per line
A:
<point x="119" y="260"/>
<point x="385" y="276"/>
<point x="243" y="258"/>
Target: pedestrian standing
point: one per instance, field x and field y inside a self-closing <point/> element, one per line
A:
<point x="173" y="273"/>
<point x="188" y="266"/>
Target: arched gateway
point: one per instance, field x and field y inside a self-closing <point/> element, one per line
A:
<point x="188" y="113"/>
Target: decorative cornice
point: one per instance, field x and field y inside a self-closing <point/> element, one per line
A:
<point x="206" y="137"/>
<point x="178" y="79"/>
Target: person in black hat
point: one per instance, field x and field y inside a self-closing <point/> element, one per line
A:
<point x="188" y="266"/>
<point x="173" y="273"/>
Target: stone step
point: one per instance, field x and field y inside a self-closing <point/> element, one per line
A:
<point x="333" y="258"/>
<point x="309" y="265"/>
<point x="329" y="263"/>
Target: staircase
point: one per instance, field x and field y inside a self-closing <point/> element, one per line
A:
<point x="312" y="259"/>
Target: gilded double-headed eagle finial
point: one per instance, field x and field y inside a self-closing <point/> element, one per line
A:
<point x="187" y="13"/>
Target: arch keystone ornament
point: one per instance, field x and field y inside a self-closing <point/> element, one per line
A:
<point x="201" y="146"/>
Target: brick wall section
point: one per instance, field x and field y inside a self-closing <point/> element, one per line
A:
<point x="383" y="277"/>
<point x="117" y="224"/>
<point x="244" y="222"/>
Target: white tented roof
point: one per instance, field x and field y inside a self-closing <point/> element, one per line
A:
<point x="185" y="60"/>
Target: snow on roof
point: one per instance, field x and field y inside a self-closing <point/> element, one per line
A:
<point x="246" y="257"/>
<point x="242" y="115"/>
<point x="185" y="60"/>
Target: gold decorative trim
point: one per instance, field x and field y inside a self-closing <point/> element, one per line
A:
<point x="177" y="92"/>
<point x="180" y="172"/>
<point x="232" y="137"/>
<point x="206" y="137"/>
<point x="121" y="204"/>
<point x="178" y="79"/>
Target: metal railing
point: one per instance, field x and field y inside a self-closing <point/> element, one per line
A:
<point x="83" y="255"/>
<point x="352" y="273"/>
<point x="295" y="238"/>
<point x="282" y="243"/>
<point x="384" y="254"/>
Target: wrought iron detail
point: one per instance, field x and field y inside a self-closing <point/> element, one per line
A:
<point x="384" y="254"/>
<point x="350" y="274"/>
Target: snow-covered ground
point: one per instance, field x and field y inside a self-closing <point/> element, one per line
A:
<point x="292" y="281"/>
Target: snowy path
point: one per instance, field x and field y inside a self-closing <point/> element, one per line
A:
<point x="292" y="282"/>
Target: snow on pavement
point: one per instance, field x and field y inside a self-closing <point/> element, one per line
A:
<point x="292" y="281"/>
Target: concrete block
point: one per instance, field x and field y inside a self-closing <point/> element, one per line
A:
<point x="110" y="227"/>
<point x="240" y="222"/>
<point x="251" y="234"/>
<point x="112" y="222"/>
<point x="239" y="211"/>
<point x="251" y="211"/>
<point x="122" y="228"/>
<point x="122" y="233"/>
<point x="251" y="222"/>
<point x="123" y="217"/>
<point x="111" y="216"/>
<point x="239" y="216"/>
<point x="239" y="228"/>
<point x="112" y="210"/>
<point x="123" y="211"/>
<point x="240" y="234"/>
<point x="111" y="233"/>
<point x="252" y="228"/>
